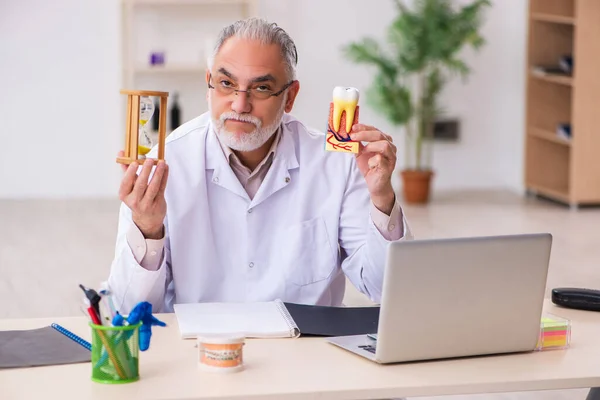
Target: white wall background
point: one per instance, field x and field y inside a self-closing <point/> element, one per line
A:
<point x="59" y="111"/>
<point x="60" y="75"/>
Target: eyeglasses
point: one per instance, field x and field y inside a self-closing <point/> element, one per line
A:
<point x="261" y="91"/>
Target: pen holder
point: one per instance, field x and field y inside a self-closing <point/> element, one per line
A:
<point x="115" y="353"/>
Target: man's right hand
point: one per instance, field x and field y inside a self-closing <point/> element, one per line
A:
<point x="146" y="200"/>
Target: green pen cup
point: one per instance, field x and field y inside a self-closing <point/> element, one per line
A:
<point x="115" y="353"/>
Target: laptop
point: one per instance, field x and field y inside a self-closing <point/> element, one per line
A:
<point x="458" y="297"/>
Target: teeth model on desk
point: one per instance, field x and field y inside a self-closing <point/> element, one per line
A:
<point x="343" y="113"/>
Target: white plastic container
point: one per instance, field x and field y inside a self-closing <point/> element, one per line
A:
<point x="221" y="353"/>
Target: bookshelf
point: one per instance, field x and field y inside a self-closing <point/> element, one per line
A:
<point x="184" y="32"/>
<point x="559" y="19"/>
<point x="564" y="169"/>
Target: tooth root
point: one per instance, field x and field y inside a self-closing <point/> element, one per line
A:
<point x="337" y="115"/>
<point x="350" y="109"/>
<point x="338" y="108"/>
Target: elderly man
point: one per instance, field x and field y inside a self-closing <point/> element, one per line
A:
<point x="255" y="209"/>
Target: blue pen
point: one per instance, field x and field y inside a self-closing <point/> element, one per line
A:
<point x="106" y="294"/>
<point x="105" y="314"/>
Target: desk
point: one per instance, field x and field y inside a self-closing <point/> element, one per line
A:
<point x="309" y="368"/>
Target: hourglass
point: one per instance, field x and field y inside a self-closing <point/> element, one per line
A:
<point x="146" y="112"/>
<point x="140" y="109"/>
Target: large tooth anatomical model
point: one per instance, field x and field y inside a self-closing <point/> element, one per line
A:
<point x="343" y="113"/>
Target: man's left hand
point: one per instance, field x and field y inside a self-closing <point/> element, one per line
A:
<point x="376" y="160"/>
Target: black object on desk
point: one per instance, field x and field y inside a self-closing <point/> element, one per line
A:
<point x="577" y="298"/>
<point x="334" y="321"/>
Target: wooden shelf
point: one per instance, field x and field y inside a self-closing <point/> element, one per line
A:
<point x="549" y="136"/>
<point x="171" y="69"/>
<point x="183" y="2"/>
<point x="556" y="194"/>
<point x="567" y="170"/>
<point x="558" y="19"/>
<point x="561" y="80"/>
<point x="559" y="8"/>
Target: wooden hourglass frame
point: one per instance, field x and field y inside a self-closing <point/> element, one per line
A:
<point x="133" y="125"/>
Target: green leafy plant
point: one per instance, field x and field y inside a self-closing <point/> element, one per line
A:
<point x="420" y="56"/>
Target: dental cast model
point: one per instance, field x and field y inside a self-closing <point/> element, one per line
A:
<point x="343" y="113"/>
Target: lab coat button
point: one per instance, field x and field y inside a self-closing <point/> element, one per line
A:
<point x="251" y="265"/>
<point x="391" y="228"/>
<point x="216" y="179"/>
<point x="287" y="179"/>
<point x="249" y="211"/>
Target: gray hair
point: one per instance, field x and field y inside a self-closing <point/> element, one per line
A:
<point x="265" y="32"/>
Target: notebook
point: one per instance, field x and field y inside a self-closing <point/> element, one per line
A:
<point x="254" y="320"/>
<point x="334" y="321"/>
<point x="39" y="347"/>
<point x="274" y="319"/>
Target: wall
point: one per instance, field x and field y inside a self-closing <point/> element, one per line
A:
<point x="61" y="110"/>
<point x="489" y="105"/>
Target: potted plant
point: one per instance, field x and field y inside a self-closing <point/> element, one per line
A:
<point x="420" y="56"/>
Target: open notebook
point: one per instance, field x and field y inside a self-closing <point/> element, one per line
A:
<point x="274" y="319"/>
<point x="257" y="320"/>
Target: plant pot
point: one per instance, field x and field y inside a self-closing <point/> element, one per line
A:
<point x="416" y="185"/>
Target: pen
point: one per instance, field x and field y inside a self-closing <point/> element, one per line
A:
<point x="112" y="305"/>
<point x="93" y="297"/>
<point x="105" y="314"/>
<point x="106" y="343"/>
<point x="94" y="316"/>
<point x="94" y="312"/>
<point x="107" y="300"/>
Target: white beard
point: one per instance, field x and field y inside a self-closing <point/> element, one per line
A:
<point x="246" y="141"/>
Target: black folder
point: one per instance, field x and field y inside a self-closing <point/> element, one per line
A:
<point x="37" y="347"/>
<point x="334" y="321"/>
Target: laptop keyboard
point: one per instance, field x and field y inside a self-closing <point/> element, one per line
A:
<point x="368" y="348"/>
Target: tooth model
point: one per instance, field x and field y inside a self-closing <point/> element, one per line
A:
<point x="343" y="113"/>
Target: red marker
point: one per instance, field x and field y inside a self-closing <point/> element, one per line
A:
<point x="94" y="316"/>
<point x="93" y="297"/>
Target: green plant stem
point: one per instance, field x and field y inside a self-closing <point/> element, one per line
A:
<point x="422" y="121"/>
<point x="418" y="145"/>
<point x="429" y="161"/>
<point x="408" y="144"/>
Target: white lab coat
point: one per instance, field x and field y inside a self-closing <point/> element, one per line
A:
<point x="306" y="227"/>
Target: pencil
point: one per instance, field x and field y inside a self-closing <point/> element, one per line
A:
<point x="106" y="343"/>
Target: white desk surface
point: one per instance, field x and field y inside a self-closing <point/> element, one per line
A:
<point x="309" y="368"/>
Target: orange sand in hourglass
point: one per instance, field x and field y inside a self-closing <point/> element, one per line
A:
<point x="143" y="150"/>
